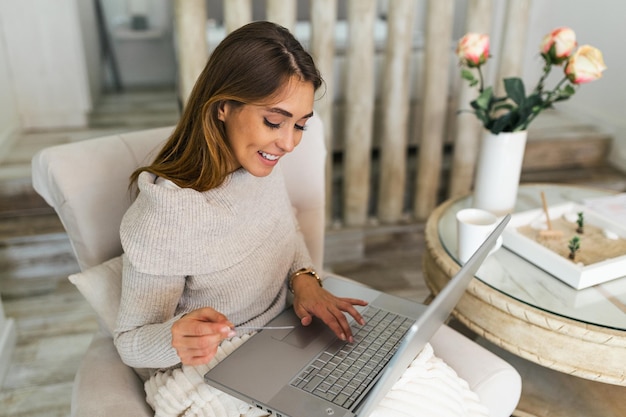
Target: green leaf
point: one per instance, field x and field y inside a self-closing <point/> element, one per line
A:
<point x="569" y="89"/>
<point x="483" y="101"/>
<point x="566" y="92"/>
<point x="502" y="124"/>
<point x="483" y="116"/>
<point x="467" y="75"/>
<point x="548" y="56"/>
<point x="514" y="88"/>
<point x="533" y="100"/>
<point x="503" y="106"/>
<point x="548" y="60"/>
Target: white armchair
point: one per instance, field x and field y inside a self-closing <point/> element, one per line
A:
<point x="87" y="184"/>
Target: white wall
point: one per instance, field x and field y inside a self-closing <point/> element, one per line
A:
<point x="9" y="124"/>
<point x="601" y="24"/>
<point x="47" y="64"/>
<point x="9" y="119"/>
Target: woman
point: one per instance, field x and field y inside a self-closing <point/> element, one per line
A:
<point x="211" y="241"/>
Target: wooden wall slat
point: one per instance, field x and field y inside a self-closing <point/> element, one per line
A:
<point x="359" y="93"/>
<point x="468" y="128"/>
<point x="282" y="12"/>
<point x="439" y="21"/>
<point x="323" y="20"/>
<point x="192" y="48"/>
<point x="395" y="111"/>
<point x="237" y="13"/>
<point x="511" y="52"/>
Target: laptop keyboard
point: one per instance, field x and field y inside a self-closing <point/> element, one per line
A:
<point x="341" y="373"/>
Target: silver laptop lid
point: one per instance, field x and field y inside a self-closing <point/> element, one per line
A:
<point x="428" y="323"/>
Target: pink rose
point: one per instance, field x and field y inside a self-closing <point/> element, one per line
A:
<point x="559" y="44"/>
<point x="585" y="65"/>
<point x="473" y="49"/>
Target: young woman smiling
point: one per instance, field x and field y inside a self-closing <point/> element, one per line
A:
<point x="211" y="242"/>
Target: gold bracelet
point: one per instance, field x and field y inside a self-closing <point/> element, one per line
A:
<point x="303" y="271"/>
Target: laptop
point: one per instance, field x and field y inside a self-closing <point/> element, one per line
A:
<point x="309" y="372"/>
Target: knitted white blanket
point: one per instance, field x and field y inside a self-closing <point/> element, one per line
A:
<point x="429" y="387"/>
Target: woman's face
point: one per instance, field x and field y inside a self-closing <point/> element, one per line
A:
<point x="260" y="135"/>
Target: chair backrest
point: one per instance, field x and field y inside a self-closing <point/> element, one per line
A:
<point x="86" y="183"/>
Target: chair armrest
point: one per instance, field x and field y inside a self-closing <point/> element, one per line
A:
<point x="105" y="386"/>
<point x="496" y="382"/>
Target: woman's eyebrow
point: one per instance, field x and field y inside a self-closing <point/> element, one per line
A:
<point x="288" y="114"/>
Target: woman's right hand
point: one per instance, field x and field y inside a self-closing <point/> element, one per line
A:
<point x="197" y="335"/>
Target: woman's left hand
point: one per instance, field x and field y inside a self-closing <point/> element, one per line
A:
<point x="312" y="300"/>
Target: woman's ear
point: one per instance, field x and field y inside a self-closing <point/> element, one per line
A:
<point x="222" y="110"/>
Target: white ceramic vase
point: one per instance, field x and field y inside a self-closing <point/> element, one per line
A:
<point x="498" y="171"/>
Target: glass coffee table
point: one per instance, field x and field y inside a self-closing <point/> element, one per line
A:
<point x="521" y="308"/>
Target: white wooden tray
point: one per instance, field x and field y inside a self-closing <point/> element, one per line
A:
<point x="574" y="274"/>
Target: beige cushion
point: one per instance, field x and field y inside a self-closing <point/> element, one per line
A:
<point x="86" y="182"/>
<point x="101" y="285"/>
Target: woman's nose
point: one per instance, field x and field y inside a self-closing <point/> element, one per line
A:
<point x="287" y="142"/>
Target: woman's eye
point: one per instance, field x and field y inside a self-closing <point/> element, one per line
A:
<point x="270" y="124"/>
<point x="278" y="125"/>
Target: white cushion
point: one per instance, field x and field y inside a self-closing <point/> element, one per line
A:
<point x="101" y="285"/>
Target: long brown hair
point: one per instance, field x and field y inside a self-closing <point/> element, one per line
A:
<point x="249" y="66"/>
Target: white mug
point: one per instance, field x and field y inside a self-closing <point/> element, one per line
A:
<point x="473" y="227"/>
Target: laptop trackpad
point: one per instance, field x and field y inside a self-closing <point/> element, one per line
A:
<point x="302" y="336"/>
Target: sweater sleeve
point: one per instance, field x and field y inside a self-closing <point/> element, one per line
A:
<point x="147" y="311"/>
<point x="301" y="257"/>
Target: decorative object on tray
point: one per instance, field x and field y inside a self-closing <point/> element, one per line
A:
<point x="506" y="119"/>
<point x="580" y="221"/>
<point x="549" y="232"/>
<point x="599" y="253"/>
<point x="573" y="246"/>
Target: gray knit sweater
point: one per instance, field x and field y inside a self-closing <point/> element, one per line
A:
<point x="230" y="248"/>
